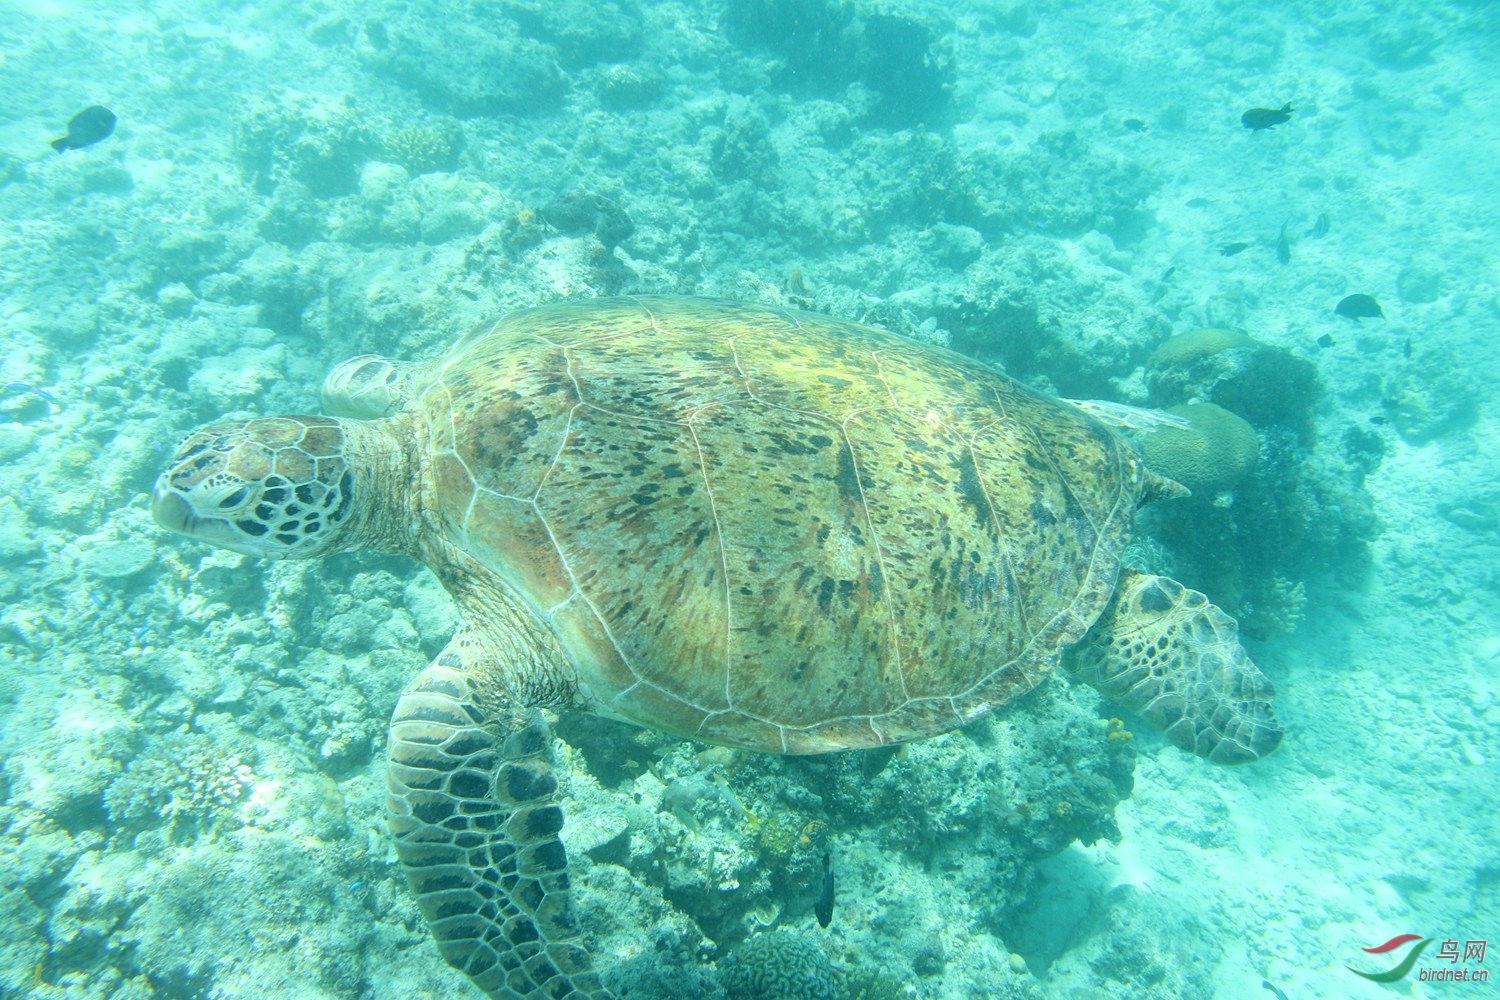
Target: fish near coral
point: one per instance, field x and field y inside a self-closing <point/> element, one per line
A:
<point x="823" y="908"/>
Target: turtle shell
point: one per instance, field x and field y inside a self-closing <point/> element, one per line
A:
<point x="772" y="529"/>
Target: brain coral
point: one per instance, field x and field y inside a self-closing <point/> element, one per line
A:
<point x="778" y="965"/>
<point x="1218" y="452"/>
<point x="1186" y="348"/>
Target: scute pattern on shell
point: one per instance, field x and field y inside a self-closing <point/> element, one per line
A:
<point x="774" y="529"/>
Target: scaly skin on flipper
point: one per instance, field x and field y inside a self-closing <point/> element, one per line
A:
<point x="473" y="814"/>
<point x="1170" y="656"/>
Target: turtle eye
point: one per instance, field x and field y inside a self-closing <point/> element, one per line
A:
<point x="234" y="499"/>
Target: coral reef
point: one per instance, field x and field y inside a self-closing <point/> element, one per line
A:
<point x="1214" y="455"/>
<point x="463" y="67"/>
<point x="778" y="965"/>
<point x="825" y="45"/>
<point x="432" y="145"/>
<point x="316" y="142"/>
<point x="736" y="841"/>
<point x="184" y="780"/>
<point x="1257" y="529"/>
<point x="1267" y="386"/>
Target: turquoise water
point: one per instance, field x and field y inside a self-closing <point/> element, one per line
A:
<point x="192" y="741"/>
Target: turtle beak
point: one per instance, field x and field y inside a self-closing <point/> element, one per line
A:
<point x="170" y="509"/>
<point x="176" y="513"/>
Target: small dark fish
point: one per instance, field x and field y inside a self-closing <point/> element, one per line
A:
<point x="1319" y="228"/>
<point x="1358" y="307"/>
<point x="874" y="760"/>
<point x="1274" y="989"/>
<point x="52" y="405"/>
<point x="1325" y="341"/>
<point x="1230" y="249"/>
<point x="1283" y="247"/>
<point x="1134" y="125"/>
<point x="86" y="128"/>
<point x="823" y="908"/>
<point x="35" y="390"/>
<point x="1258" y="118"/>
<point x="1406" y="348"/>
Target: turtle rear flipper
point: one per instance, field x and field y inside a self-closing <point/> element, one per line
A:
<point x="471" y="807"/>
<point x="1167" y="654"/>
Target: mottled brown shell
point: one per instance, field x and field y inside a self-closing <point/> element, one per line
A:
<point x="772" y="529"/>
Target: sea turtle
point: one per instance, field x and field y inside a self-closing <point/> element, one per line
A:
<point x="747" y="525"/>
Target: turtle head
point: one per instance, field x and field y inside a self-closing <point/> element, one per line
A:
<point x="277" y="487"/>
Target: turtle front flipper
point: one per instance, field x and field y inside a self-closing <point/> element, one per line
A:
<point x="472" y="809"/>
<point x="367" y="387"/>
<point x="1167" y="654"/>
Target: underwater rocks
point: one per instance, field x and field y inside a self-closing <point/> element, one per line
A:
<point x="736" y="840"/>
<point x="1267" y="386"/>
<point x="519" y="58"/>
<point x="1040" y="311"/>
<point x="582" y="32"/>
<point x="320" y="143"/>
<point x="461" y="66"/>
<point x="1135" y="943"/>
<point x="586" y="212"/>
<point x="62" y="774"/>
<point x="825" y="45"/>
<point x="1065" y="185"/>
